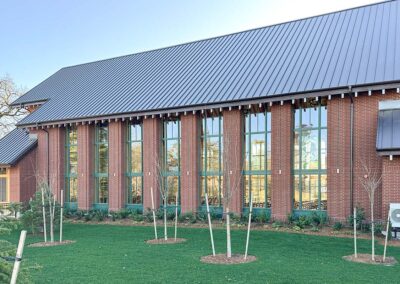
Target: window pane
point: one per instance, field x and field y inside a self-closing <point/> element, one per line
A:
<point x="324" y="116"/>
<point x="172" y="186"/>
<point x="296" y="149"/>
<point x="3" y="189"/>
<point x="257" y="152"/>
<point x="297" y="122"/>
<point x="136" y="158"/>
<point x="103" y="189"/>
<point x="324" y="148"/>
<point x="73" y="189"/>
<point x="309" y="149"/>
<point x="269" y="188"/>
<point x="136" y="193"/>
<point x="269" y="151"/>
<point x="172" y="161"/>
<point x="296" y="204"/>
<point x="213" y="154"/>
<point x="258" y="190"/>
<point x="310" y="192"/>
<point x="324" y="193"/>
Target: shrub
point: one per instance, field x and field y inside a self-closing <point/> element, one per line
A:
<point x="314" y="228"/>
<point x="148" y="215"/>
<point x="277" y="224"/>
<point x="188" y="217"/>
<point x="360" y="217"/>
<point x="32" y="217"/>
<point x="262" y="218"/>
<point x="291" y="218"/>
<point x="337" y="226"/>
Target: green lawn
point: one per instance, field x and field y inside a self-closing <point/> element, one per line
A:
<point x="118" y="254"/>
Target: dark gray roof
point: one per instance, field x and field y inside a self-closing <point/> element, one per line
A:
<point x="14" y="146"/>
<point x="352" y="47"/>
<point x="388" y="136"/>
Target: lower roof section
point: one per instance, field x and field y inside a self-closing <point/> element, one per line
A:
<point x="14" y="146"/>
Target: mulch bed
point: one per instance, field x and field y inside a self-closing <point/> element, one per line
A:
<point x="223" y="259"/>
<point x="366" y="258"/>
<point x="51" y="244"/>
<point x="164" y="242"/>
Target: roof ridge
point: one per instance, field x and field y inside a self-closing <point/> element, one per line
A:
<point x="229" y="34"/>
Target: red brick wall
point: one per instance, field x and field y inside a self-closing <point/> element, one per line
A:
<point x="57" y="160"/>
<point x="151" y="153"/>
<point x="233" y="157"/>
<point x="365" y="126"/>
<point x="41" y="151"/>
<point x="390" y="183"/>
<point x="22" y="178"/>
<point x="339" y="166"/>
<point x="282" y="180"/>
<point x="85" y="166"/>
<point x="117" y="165"/>
<point x="190" y="125"/>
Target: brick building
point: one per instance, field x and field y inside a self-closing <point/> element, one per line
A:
<point x="287" y="113"/>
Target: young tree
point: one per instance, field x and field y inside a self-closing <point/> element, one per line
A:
<point x="163" y="191"/>
<point x="371" y="183"/>
<point x="9" y="115"/>
<point x="232" y="180"/>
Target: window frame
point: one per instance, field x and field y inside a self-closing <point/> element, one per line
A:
<point x="6" y="176"/>
<point x="203" y="151"/>
<point x="164" y="150"/>
<point x="68" y="174"/>
<point x="99" y="175"/>
<point x="129" y="173"/>
<point x="248" y="172"/>
<point x="300" y="172"/>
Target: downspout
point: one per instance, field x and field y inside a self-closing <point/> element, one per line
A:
<point x="351" y="149"/>
<point x="48" y="156"/>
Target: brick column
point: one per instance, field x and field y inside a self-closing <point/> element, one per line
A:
<point x="85" y="166"/>
<point x="390" y="183"/>
<point x="41" y="159"/>
<point x="233" y="148"/>
<point x="151" y="152"/>
<point x="190" y="163"/>
<point x="339" y="171"/>
<point x="281" y="164"/>
<point x="117" y="165"/>
<point x="57" y="160"/>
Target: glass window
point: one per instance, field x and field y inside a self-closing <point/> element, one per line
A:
<point x="135" y="164"/>
<point x="71" y="164"/>
<point x="4" y="184"/>
<point x="310" y="156"/>
<point x="171" y="159"/>
<point x="211" y="160"/>
<point x="101" y="163"/>
<point x="257" y="172"/>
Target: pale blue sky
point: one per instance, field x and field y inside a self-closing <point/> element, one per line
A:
<point x="38" y="37"/>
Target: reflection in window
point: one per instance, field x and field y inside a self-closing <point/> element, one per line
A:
<point x="71" y="164"/>
<point x="171" y="157"/>
<point x="257" y="171"/>
<point x="310" y="156"/>
<point x="211" y="160"/>
<point x="101" y="165"/>
<point x="4" y="184"/>
<point x="135" y="164"/>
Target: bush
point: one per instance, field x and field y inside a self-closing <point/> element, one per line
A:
<point x="337" y="226"/>
<point x="277" y="224"/>
<point x="262" y="218"/>
<point x="360" y="218"/>
<point x="139" y="217"/>
<point x="32" y="217"/>
<point x="291" y="218"/>
<point x="188" y="217"/>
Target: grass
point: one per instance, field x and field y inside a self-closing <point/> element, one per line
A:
<point x="118" y="254"/>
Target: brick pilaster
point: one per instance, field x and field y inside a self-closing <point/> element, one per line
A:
<point x="281" y="164"/>
<point x="117" y="165"/>
<point x="339" y="170"/>
<point x="190" y="163"/>
<point x="85" y="166"/>
<point x="151" y="153"/>
<point x="233" y="157"/>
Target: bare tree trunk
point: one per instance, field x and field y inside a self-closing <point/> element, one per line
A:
<point x="51" y="218"/>
<point x="165" y="218"/>
<point x="61" y="215"/>
<point x="44" y="215"/>
<point x="387" y="235"/>
<point x="154" y="213"/>
<point x="209" y="224"/>
<point x="249" y="226"/>
<point x="228" y="234"/>
<point x="355" y="231"/>
<point x="176" y="214"/>
<point x="373" y="230"/>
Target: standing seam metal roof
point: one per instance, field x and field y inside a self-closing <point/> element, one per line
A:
<point x="14" y="146"/>
<point x="351" y="47"/>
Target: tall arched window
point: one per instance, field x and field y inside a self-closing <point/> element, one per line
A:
<point x="135" y="164"/>
<point x="101" y="163"/>
<point x="71" y="164"/>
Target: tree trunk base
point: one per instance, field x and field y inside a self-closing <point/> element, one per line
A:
<point x="223" y="259"/>
<point x="366" y="258"/>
